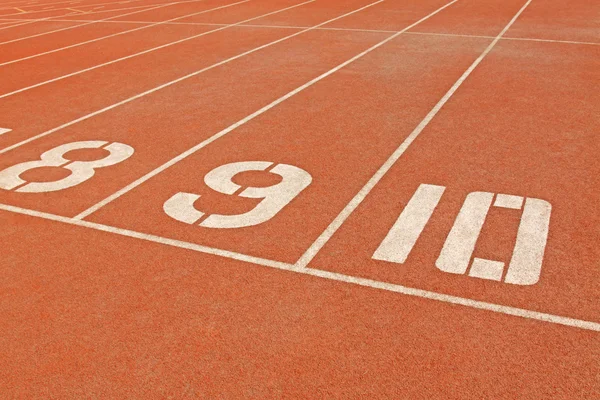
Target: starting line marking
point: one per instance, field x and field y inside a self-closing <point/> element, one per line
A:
<point x="4" y="130"/>
<point x="426" y="294"/>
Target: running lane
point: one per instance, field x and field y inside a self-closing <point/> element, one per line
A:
<point x="524" y="124"/>
<point x="88" y="313"/>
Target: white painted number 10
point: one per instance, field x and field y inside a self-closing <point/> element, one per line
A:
<point x="455" y="258"/>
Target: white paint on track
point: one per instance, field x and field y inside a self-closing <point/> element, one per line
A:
<point x="504" y="38"/>
<point x="33" y="21"/>
<point x="401" y="238"/>
<point x="85" y="12"/>
<point x="312" y="251"/>
<point x="333" y="276"/>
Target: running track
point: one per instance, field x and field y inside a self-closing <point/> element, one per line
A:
<point x="300" y="199"/>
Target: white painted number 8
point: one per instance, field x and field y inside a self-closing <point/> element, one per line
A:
<point x="81" y="171"/>
<point x="275" y="198"/>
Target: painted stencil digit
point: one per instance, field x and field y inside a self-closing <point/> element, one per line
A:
<point x="274" y="198"/>
<point x="81" y="171"/>
<point x="526" y="262"/>
<point x="455" y="258"/>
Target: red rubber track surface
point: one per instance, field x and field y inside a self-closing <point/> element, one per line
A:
<point x="113" y="289"/>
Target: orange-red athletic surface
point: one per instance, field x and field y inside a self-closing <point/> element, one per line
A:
<point x="107" y="296"/>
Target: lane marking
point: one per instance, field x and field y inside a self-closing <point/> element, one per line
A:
<point x="135" y="54"/>
<point x="455" y="257"/>
<point x="504" y="38"/>
<point x="409" y="291"/>
<point x="148" y="237"/>
<point x="4" y="130"/>
<point x="462" y="239"/>
<point x="318" y="244"/>
<point x="87" y="13"/>
<point x="67" y="2"/>
<point x="103" y="37"/>
<point x="403" y="235"/>
<point x="140" y="95"/>
<point x="34" y="21"/>
<point x="508" y="201"/>
<point x="330" y="29"/>
<point x="250" y="117"/>
<point x="274" y="198"/>
<point x="487" y="269"/>
<point x="80" y="171"/>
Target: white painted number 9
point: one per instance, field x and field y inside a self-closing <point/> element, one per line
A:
<point x="274" y="198"/>
<point x="81" y="171"/>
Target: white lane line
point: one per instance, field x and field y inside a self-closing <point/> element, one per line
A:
<point x="152" y="238"/>
<point x="333" y="276"/>
<point x="135" y="54"/>
<point x="94" y="22"/>
<point x="318" y="244"/>
<point x="32" y="4"/>
<point x="111" y="35"/>
<point x="140" y="95"/>
<point x="248" y="118"/>
<point x="505" y="38"/>
<point x="87" y="12"/>
<point x="34" y="21"/>
<point x="552" y="41"/>
<point x="4" y="130"/>
<point x="334" y="29"/>
<point x="445" y="298"/>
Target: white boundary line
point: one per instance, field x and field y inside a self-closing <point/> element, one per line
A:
<point x="85" y="12"/>
<point x="49" y="132"/>
<point x="331" y="29"/>
<point x="318" y="244"/>
<point x="248" y="118"/>
<point x="552" y="41"/>
<point x="152" y="238"/>
<point x="23" y="3"/>
<point x="95" y="22"/>
<point x="134" y="54"/>
<point x="32" y="22"/>
<point x="4" y="23"/>
<point x="139" y="28"/>
<point x="409" y="291"/>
